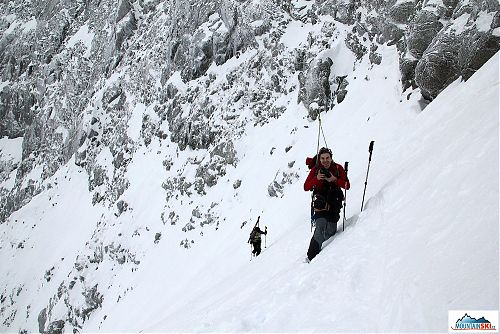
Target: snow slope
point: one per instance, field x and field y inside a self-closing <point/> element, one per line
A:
<point x="426" y="242"/>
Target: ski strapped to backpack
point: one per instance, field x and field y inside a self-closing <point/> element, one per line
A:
<point x="253" y="233"/>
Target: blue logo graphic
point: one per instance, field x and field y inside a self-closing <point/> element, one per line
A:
<point x="469" y="323"/>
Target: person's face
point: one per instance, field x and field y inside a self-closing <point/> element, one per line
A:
<point x="325" y="159"/>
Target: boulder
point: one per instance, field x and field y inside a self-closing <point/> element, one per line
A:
<point x="459" y="50"/>
<point x="315" y="86"/>
<point x="407" y="64"/>
<point x="421" y="32"/>
<point x="438" y="66"/>
<point x="402" y="12"/>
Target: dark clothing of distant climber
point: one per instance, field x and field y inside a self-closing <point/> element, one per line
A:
<point x="256" y="239"/>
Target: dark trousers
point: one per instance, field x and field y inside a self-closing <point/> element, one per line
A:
<point x="256" y="247"/>
<point x="323" y="231"/>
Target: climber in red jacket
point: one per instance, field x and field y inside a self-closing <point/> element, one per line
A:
<point x="325" y="179"/>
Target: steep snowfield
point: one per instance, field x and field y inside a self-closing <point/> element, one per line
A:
<point x="425" y="243"/>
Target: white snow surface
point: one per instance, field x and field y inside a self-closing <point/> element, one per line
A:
<point x="11" y="149"/>
<point x="84" y="36"/>
<point x="426" y="242"/>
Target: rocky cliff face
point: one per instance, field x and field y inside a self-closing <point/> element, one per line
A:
<point x="57" y="59"/>
<point x="74" y="72"/>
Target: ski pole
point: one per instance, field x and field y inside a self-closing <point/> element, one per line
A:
<point x="265" y="237"/>
<point x="312" y="209"/>
<point x="346" y="167"/>
<point x="370" y="149"/>
<point x="312" y="219"/>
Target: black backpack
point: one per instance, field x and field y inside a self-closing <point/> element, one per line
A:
<point x="254" y="235"/>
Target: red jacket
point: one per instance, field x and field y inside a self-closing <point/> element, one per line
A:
<point x="312" y="181"/>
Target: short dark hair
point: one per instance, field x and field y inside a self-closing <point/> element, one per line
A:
<point x="325" y="150"/>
